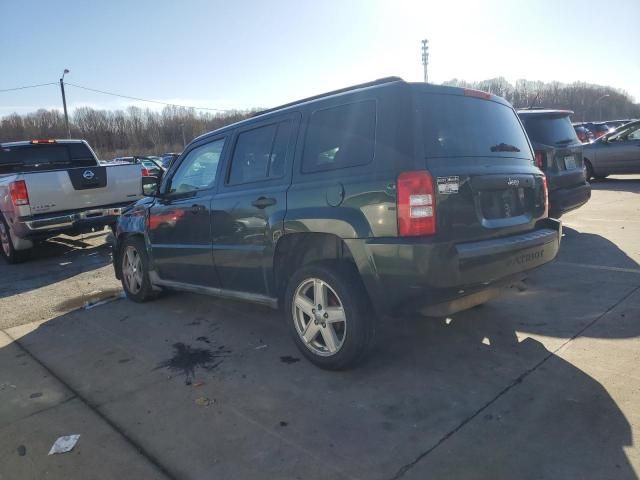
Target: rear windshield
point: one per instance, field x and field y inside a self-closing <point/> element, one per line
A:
<point x="457" y="126"/>
<point x="35" y="158"/>
<point x="550" y="130"/>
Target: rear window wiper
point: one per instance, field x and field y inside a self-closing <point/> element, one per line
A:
<point x="504" y="147"/>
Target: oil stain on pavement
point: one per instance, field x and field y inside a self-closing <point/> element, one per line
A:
<point x="187" y="359"/>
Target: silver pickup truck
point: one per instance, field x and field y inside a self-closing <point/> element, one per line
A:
<point x="48" y="187"/>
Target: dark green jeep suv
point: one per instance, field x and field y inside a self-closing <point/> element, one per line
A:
<point x="372" y="201"/>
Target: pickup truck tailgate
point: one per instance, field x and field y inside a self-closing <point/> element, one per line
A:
<point x="84" y="187"/>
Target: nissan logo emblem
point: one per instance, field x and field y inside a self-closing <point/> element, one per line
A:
<point x="88" y="175"/>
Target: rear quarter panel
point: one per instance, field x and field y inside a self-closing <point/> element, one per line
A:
<point x="357" y="201"/>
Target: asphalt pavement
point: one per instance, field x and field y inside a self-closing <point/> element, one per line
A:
<point x="539" y="383"/>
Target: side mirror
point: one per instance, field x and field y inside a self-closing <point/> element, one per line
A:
<point x="150" y="186"/>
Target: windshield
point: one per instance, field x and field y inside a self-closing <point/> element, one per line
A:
<point x="457" y="126"/>
<point x="550" y="130"/>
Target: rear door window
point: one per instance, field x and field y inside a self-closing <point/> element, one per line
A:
<point x="550" y="130"/>
<point x="340" y="137"/>
<point x="459" y="126"/>
<point x="260" y="153"/>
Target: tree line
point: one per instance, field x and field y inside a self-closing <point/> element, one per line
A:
<point x="588" y="102"/>
<point x="133" y="131"/>
<point x="137" y="131"/>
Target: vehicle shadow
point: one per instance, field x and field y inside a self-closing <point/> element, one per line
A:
<point x="619" y="184"/>
<point x="457" y="398"/>
<point x="54" y="260"/>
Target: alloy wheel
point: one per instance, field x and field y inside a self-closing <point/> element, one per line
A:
<point x="319" y="317"/>
<point x="132" y="269"/>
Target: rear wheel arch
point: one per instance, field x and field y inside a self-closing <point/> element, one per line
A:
<point x="296" y="250"/>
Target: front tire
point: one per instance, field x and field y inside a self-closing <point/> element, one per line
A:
<point x="134" y="270"/>
<point x="329" y="315"/>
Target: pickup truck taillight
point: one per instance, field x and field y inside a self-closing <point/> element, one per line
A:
<point x="416" y="204"/>
<point x="145" y="172"/>
<point x="18" y="192"/>
<point x="545" y="186"/>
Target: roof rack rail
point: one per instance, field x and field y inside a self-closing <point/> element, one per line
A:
<point x="379" y="81"/>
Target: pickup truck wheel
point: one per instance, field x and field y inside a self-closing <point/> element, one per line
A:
<point x="135" y="270"/>
<point x="7" y="250"/>
<point x="329" y="316"/>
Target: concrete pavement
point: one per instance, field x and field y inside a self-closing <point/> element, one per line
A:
<point x="536" y="384"/>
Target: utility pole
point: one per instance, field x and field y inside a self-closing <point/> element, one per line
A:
<point x="425" y="58"/>
<point x="184" y="140"/>
<point x="64" y="102"/>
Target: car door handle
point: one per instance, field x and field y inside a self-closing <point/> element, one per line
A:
<point x="196" y="209"/>
<point x="263" y="202"/>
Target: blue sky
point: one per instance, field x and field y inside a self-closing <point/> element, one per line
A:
<point x="241" y="54"/>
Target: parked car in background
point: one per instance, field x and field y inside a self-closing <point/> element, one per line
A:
<point x="584" y="134"/>
<point x="598" y="129"/>
<point x="617" y="152"/>
<point x="326" y="208"/>
<point x="167" y="159"/>
<point x="618" y="123"/>
<point x="149" y="166"/>
<point x="558" y="153"/>
<point x="48" y="187"/>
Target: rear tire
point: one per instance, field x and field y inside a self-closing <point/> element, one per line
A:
<point x="7" y="249"/>
<point x="134" y="270"/>
<point x="329" y="314"/>
<point x="588" y="169"/>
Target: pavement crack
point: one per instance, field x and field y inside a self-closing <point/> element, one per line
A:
<point x="405" y="468"/>
<point x="96" y="411"/>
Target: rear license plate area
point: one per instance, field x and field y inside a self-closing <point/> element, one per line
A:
<point x="502" y="203"/>
<point x="570" y="162"/>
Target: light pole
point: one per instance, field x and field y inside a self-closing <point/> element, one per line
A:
<point x="64" y="102"/>
<point x="600" y="106"/>
<point x="425" y="58"/>
<point x="184" y="141"/>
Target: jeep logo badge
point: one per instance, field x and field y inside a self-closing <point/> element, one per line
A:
<point x="513" y="182"/>
<point x="88" y="175"/>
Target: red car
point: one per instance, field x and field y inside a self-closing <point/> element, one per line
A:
<point x="598" y="129"/>
<point x="584" y="134"/>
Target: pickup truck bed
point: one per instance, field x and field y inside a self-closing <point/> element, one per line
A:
<point x="53" y="187"/>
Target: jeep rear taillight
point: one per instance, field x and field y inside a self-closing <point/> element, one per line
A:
<point x="416" y="204"/>
<point x="18" y="192"/>
<point x="541" y="160"/>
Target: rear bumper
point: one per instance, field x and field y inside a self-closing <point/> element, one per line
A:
<point x="411" y="275"/>
<point x="563" y="200"/>
<point x="77" y="221"/>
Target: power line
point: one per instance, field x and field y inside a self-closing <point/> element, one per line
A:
<point x="144" y="99"/>
<point x="27" y="86"/>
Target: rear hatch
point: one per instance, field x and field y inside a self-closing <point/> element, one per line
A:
<point x="481" y="162"/>
<point x="557" y="147"/>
